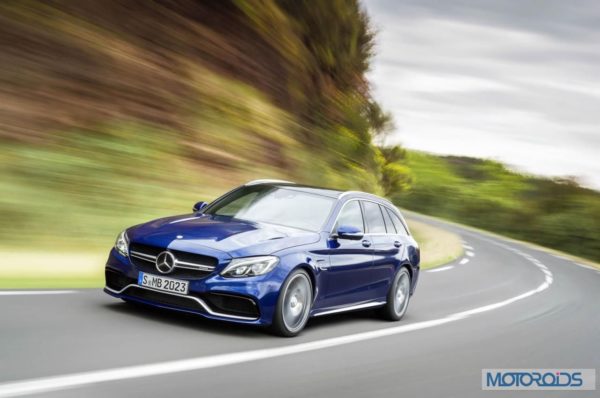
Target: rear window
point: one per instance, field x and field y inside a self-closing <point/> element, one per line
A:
<point x="398" y="224"/>
<point x="391" y="229"/>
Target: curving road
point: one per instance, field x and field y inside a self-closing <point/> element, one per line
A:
<point x="503" y="305"/>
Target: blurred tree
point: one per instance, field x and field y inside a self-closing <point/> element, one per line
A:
<point x="557" y="213"/>
<point x="396" y="177"/>
<point x="236" y="89"/>
<point x="382" y="123"/>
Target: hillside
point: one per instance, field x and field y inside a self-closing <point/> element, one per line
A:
<point x="112" y="113"/>
<point x="556" y="213"/>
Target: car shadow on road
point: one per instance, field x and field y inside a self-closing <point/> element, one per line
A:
<point x="186" y="320"/>
<point x="191" y="321"/>
<point x="346" y="319"/>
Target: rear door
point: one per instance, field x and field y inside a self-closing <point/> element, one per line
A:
<point x="409" y="250"/>
<point x="382" y="239"/>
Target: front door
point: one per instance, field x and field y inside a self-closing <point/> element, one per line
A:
<point x="346" y="279"/>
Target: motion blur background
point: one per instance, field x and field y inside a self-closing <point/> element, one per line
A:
<point x="116" y="112"/>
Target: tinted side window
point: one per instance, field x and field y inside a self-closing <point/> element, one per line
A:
<point x="397" y="223"/>
<point x="374" y="218"/>
<point x="351" y="215"/>
<point x="391" y="228"/>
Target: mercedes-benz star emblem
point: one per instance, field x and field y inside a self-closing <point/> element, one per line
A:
<point x="165" y="262"/>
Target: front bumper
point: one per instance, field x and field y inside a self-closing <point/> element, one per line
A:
<point x="248" y="300"/>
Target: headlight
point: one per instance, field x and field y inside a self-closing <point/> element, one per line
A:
<point x="122" y="244"/>
<point x="250" y="266"/>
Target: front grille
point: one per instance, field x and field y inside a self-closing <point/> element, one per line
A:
<point x="187" y="266"/>
<point x="117" y="280"/>
<point x="165" y="299"/>
<point x="181" y="273"/>
<point x="232" y="304"/>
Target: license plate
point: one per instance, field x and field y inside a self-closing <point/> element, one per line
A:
<point x="162" y="283"/>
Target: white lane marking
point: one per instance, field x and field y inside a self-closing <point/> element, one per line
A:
<point x="464" y="261"/>
<point x="46" y="384"/>
<point x="33" y="292"/>
<point x="446" y="268"/>
<point x="469" y="253"/>
<point x="36" y="386"/>
<point x="467" y="246"/>
<point x="549" y="278"/>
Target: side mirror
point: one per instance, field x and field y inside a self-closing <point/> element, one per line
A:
<point x="349" y="232"/>
<point x="199" y="206"/>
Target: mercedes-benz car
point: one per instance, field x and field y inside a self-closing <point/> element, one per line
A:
<point x="271" y="253"/>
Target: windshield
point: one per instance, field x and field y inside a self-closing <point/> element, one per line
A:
<point x="275" y="205"/>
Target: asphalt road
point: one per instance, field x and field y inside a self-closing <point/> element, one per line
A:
<point x="503" y="305"/>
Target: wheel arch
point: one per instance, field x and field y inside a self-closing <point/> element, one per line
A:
<point x="311" y="274"/>
<point x="409" y="268"/>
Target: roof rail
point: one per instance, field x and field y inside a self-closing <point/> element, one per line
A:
<point x="367" y="194"/>
<point x="267" y="181"/>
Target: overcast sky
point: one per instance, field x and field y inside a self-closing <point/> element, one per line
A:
<point x="516" y="81"/>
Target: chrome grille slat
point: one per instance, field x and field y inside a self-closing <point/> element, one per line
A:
<point x="145" y="259"/>
<point x="185" y="264"/>
<point x="143" y="256"/>
<point x="141" y="252"/>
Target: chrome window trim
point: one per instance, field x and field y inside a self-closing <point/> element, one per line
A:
<point x="364" y="221"/>
<point x="196" y="299"/>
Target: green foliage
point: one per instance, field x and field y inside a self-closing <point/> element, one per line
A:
<point x="554" y="213"/>
<point x="395" y="178"/>
<point x="337" y="36"/>
<point x="114" y="122"/>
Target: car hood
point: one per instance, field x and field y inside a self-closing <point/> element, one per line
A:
<point x="237" y="238"/>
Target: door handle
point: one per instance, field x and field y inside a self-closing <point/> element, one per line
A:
<point x="322" y="265"/>
<point x="397" y="244"/>
<point x="366" y="243"/>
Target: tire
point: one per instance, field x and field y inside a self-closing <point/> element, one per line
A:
<point x="293" y="305"/>
<point x="398" y="296"/>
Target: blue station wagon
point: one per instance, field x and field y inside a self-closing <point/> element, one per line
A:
<point x="271" y="253"/>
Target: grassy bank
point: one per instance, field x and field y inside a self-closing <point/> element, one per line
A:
<point x="46" y="269"/>
<point x="25" y="269"/>
<point x="438" y="246"/>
